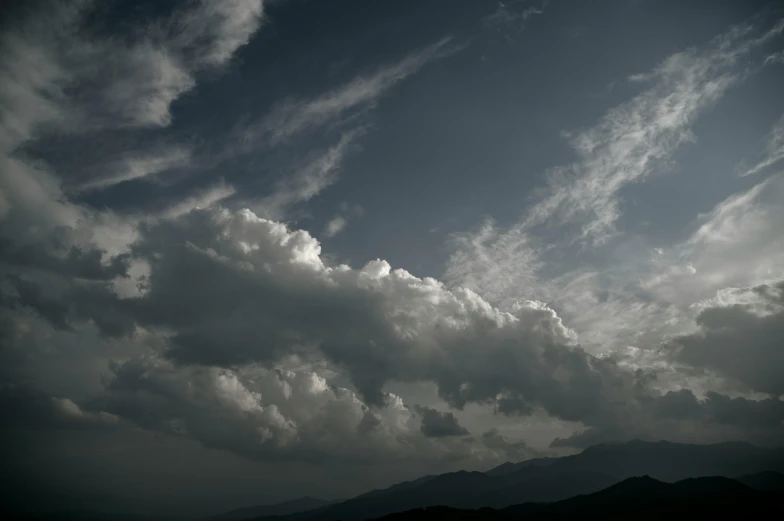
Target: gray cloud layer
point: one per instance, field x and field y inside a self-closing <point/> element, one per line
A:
<point x="229" y="329"/>
<point x="231" y="290"/>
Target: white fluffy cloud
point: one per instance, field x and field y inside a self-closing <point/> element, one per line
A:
<point x="230" y="293"/>
<point x="58" y="78"/>
<point x="285" y="414"/>
<point x="738" y="244"/>
<point x="335" y="226"/>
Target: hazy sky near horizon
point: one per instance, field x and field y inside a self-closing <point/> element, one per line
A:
<point x="254" y="250"/>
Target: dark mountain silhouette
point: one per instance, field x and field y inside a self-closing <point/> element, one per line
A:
<point x="767" y="481"/>
<point x="461" y="490"/>
<point x="510" y="468"/>
<point x="668" y="461"/>
<point x="640" y="498"/>
<point x="569" y="484"/>
<point x="405" y="485"/>
<point x="553" y="479"/>
<point x="80" y="515"/>
<point x="278" y="509"/>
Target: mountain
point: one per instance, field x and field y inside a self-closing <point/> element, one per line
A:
<point x="668" y="461"/>
<point x="287" y="507"/>
<point x="554" y="479"/>
<point x="278" y="509"/>
<point x="80" y="515"/>
<point x="768" y="481"/>
<point x="509" y="467"/>
<point x="640" y="498"/>
<point x="461" y="490"/>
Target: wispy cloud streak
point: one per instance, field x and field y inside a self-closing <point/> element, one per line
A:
<point x="307" y="181"/>
<point x="581" y="205"/>
<point x="295" y="117"/>
<point x="637" y="139"/>
<point x="774" y="150"/>
<point x="205" y="198"/>
<point x="139" y="166"/>
<point x="508" y="19"/>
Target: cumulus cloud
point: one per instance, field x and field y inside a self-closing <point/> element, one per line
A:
<point x="65" y="261"/>
<point x="740" y="336"/>
<point x="436" y="424"/>
<point x="26" y="407"/>
<point x="229" y="290"/>
<point x="282" y="414"/>
<point x="237" y="333"/>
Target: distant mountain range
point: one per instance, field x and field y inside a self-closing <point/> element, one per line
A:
<point x="555" y="479"/>
<point x="663" y="460"/>
<point x="279" y="509"/>
<point x="553" y="488"/>
<point x="641" y="499"/>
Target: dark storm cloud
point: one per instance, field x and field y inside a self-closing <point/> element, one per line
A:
<point x="233" y="289"/>
<point x="742" y="341"/>
<point x="30" y="294"/>
<point x="74" y="303"/>
<point x="74" y="262"/>
<point x="678" y="404"/>
<point x="222" y="280"/>
<point x="23" y="406"/>
<point x="721" y="409"/>
<point x="275" y="415"/>
<point x="514" y="450"/>
<point x="762" y="414"/>
<point x="437" y="424"/>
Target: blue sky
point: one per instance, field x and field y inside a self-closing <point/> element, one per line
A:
<point x="328" y="224"/>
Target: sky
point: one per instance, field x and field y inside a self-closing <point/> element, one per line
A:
<point x="256" y="250"/>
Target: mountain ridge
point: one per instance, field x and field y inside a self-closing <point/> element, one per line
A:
<point x="643" y="498"/>
<point x="554" y="479"/>
<point x="291" y="506"/>
<point x="701" y="470"/>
